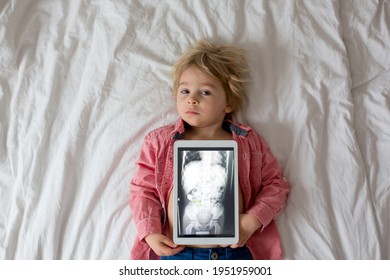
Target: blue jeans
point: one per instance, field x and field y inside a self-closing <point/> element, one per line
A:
<point x="228" y="253"/>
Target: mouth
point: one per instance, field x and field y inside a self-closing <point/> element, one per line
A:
<point x="192" y="113"/>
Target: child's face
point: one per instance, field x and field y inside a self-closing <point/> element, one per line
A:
<point x="201" y="99"/>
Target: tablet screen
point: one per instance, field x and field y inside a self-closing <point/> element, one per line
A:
<point x="206" y="192"/>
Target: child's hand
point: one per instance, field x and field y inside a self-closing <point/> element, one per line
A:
<point x="248" y="225"/>
<point x="162" y="245"/>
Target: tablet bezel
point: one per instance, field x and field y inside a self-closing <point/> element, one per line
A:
<point x="204" y="145"/>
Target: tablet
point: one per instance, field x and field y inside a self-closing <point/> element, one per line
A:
<point x="205" y="204"/>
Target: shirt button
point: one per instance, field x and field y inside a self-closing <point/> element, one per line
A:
<point x="214" y="256"/>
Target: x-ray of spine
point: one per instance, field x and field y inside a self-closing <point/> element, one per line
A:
<point x="206" y="196"/>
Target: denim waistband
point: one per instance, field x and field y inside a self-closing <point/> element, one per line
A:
<point x="219" y="253"/>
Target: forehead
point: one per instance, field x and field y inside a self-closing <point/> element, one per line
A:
<point x="193" y="74"/>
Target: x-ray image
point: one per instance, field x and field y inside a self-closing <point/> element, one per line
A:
<point x="206" y="193"/>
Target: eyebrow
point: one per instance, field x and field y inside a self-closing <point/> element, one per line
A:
<point x="203" y="85"/>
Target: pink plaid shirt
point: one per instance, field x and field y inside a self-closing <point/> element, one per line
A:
<point x="263" y="187"/>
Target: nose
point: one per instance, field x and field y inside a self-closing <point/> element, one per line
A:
<point x="191" y="100"/>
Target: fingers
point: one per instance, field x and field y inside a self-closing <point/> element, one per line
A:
<point x="235" y="246"/>
<point x="170" y="247"/>
<point x="168" y="251"/>
<point x="166" y="247"/>
<point x="176" y="250"/>
<point x="168" y="242"/>
<point x="239" y="244"/>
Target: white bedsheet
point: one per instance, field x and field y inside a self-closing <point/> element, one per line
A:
<point x="82" y="82"/>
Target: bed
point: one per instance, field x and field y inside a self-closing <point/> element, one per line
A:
<point x="82" y="82"/>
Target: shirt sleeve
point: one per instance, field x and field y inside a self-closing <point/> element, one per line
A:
<point x="272" y="194"/>
<point x="144" y="197"/>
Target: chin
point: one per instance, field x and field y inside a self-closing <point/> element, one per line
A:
<point x="191" y="122"/>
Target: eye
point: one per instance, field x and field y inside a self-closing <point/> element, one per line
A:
<point x="184" y="91"/>
<point x="205" y="92"/>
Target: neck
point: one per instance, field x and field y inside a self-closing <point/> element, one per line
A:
<point x="207" y="133"/>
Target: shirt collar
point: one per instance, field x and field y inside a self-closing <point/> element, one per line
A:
<point x="238" y="129"/>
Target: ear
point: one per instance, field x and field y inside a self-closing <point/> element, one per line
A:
<point x="228" y="109"/>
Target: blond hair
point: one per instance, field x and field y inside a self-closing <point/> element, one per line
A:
<point x="224" y="62"/>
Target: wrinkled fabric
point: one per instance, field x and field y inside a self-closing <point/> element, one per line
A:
<point x="263" y="186"/>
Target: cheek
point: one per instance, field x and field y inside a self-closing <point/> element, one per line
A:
<point x="179" y="104"/>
